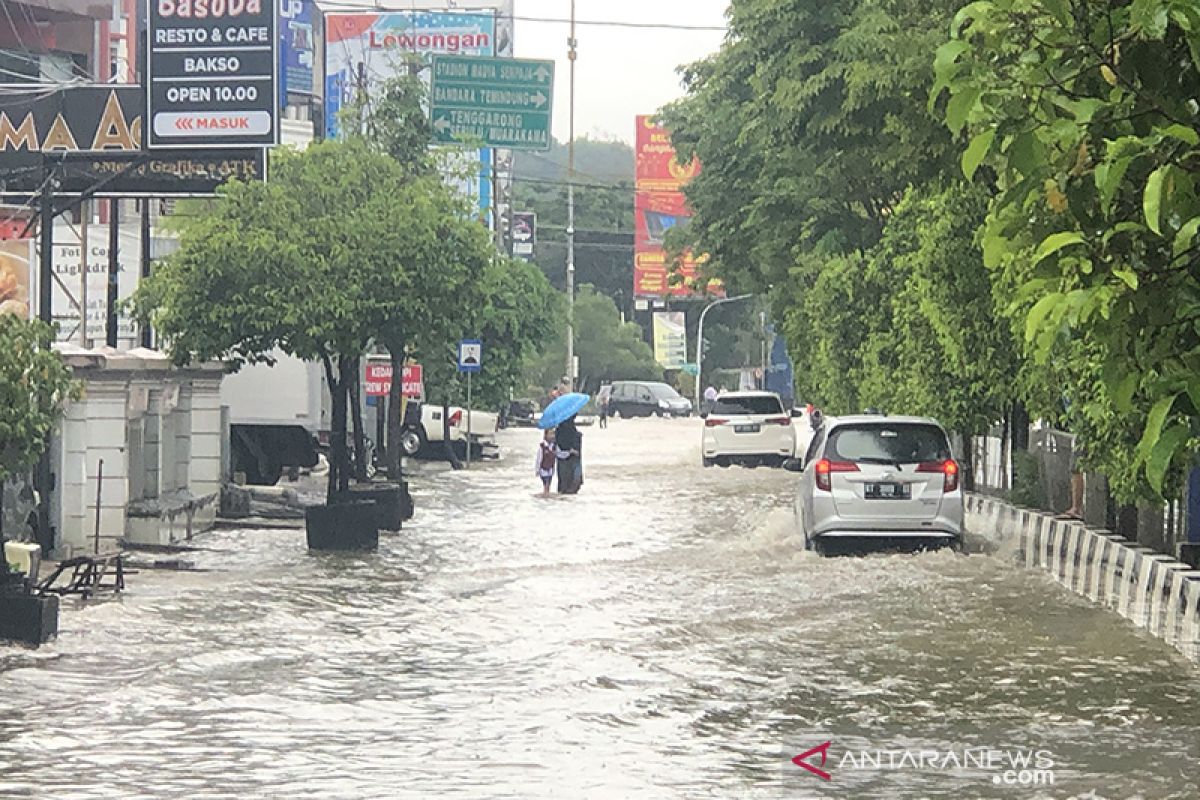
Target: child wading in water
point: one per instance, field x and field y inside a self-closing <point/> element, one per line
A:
<point x="547" y="458"/>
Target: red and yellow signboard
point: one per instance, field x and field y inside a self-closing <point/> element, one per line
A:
<point x="659" y="205"/>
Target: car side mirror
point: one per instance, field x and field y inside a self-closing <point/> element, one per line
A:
<point x="797" y="413"/>
<point x="793" y="465"/>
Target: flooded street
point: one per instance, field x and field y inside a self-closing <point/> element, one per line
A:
<point x="661" y="635"/>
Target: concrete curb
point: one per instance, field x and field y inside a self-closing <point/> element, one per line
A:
<point x="1152" y="590"/>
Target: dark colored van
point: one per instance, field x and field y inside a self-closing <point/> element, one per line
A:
<point x="646" y="399"/>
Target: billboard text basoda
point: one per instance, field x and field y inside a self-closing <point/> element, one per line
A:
<point x="659" y="205"/>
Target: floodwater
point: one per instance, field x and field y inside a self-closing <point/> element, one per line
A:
<point x="661" y="635"/>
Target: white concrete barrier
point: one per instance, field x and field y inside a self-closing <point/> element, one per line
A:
<point x="1152" y="590"/>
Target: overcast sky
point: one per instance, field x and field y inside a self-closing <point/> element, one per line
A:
<point x="620" y="72"/>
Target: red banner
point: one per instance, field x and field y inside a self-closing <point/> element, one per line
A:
<point x="378" y="381"/>
<point x="659" y="205"/>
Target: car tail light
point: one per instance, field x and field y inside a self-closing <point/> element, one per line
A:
<point x="713" y="422"/>
<point x="785" y="421"/>
<point x="948" y="468"/>
<point x="825" y="468"/>
<point x="456" y="418"/>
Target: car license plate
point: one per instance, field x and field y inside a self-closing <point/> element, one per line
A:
<point x="888" y="491"/>
<point x="746" y="428"/>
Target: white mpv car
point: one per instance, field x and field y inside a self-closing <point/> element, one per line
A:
<point x="750" y="428"/>
<point x="873" y="481"/>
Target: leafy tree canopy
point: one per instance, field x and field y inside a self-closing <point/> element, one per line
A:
<point x="35" y="386"/>
<point x="1086" y="113"/>
<point x="608" y="349"/>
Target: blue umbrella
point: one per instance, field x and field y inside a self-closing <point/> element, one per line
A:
<point x="562" y="409"/>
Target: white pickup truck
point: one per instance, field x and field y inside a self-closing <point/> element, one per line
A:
<point x="426" y="435"/>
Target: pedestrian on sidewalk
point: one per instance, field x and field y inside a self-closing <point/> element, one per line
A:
<point x="1077" y="454"/>
<point x="547" y="460"/>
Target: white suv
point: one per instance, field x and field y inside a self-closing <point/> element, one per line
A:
<point x="748" y="428"/>
<point x="874" y="481"/>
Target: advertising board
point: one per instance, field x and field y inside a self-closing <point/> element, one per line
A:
<point x="670" y="339"/>
<point x="97" y="132"/>
<point x="524" y="235"/>
<point x="68" y="264"/>
<point x="212" y="73"/>
<point x="365" y="50"/>
<point x="378" y="380"/>
<point x="296" y="48"/>
<point x="659" y="206"/>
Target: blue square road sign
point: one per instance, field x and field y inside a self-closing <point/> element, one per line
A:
<point x="470" y="355"/>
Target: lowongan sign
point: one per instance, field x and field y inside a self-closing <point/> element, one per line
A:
<point x="212" y="73"/>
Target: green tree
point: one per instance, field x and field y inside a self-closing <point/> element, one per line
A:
<point x="314" y="262"/>
<point x="517" y="318"/>
<point x="35" y="386"/>
<point x="603" y="214"/>
<point x="1086" y="113"/>
<point x="608" y="349"/>
<point x="812" y="122"/>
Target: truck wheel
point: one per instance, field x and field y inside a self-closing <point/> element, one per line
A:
<point x="259" y="474"/>
<point x="413" y="441"/>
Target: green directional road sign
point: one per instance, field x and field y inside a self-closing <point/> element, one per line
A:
<point x="502" y="102"/>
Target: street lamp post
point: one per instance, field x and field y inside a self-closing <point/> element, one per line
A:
<point x="700" y="338"/>
<point x="571" y="44"/>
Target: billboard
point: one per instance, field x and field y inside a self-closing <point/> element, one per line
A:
<point x="659" y="206"/>
<point x="366" y="49"/>
<point x="98" y="130"/>
<point x="378" y="380"/>
<point x="296" y="48"/>
<point x="212" y="74"/>
<point x="68" y="262"/>
<point x="670" y="339"/>
<point x="524" y="235"/>
<point x="15" y="287"/>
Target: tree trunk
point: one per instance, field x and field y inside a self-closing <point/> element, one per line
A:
<point x="451" y="456"/>
<point x="1020" y="427"/>
<point x="338" y="473"/>
<point x="967" y="471"/>
<point x="395" y="419"/>
<point x="360" y="448"/>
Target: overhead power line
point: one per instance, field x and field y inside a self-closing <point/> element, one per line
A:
<point x="609" y="23"/>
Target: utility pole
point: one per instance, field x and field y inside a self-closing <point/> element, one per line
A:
<point x="85" y="210"/>
<point x="146" y="263"/>
<point x="571" y="44"/>
<point x="114" y="272"/>
<point x="762" y="321"/>
<point x="43" y="478"/>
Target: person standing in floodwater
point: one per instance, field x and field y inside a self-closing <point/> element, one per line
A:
<point x="547" y="459"/>
<point x="569" y="443"/>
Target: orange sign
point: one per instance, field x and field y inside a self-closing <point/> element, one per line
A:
<point x="659" y="205"/>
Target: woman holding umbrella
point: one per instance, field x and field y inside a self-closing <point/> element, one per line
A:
<point x="567" y="439"/>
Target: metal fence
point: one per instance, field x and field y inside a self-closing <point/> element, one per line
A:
<point x="1041" y="478"/>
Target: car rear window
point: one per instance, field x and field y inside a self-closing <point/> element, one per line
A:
<point x="898" y="443"/>
<point x="747" y="405"/>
